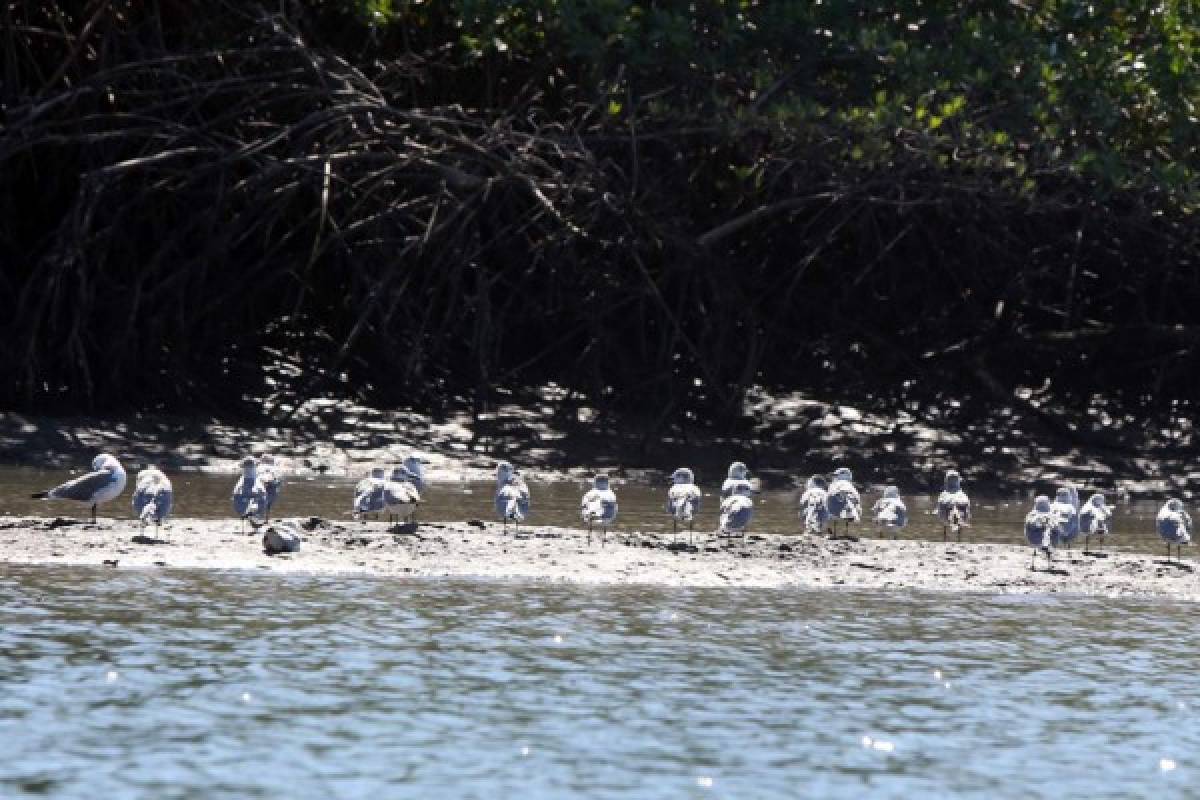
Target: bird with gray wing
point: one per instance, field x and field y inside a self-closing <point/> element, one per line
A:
<point x="152" y="497"/>
<point x="1174" y="525"/>
<point x="953" y="506"/>
<point x="270" y="472"/>
<point x="401" y="497"/>
<point x="843" y="499"/>
<point x="1066" y="507"/>
<point x="105" y="482"/>
<point x="250" y="495"/>
<point x="512" y="496"/>
<point x="1094" y="519"/>
<point x="814" y="509"/>
<point x="1042" y="529"/>
<point x="736" y="476"/>
<point x="683" y="501"/>
<point x="599" y="507"/>
<point x="736" y="511"/>
<point x="890" y="512"/>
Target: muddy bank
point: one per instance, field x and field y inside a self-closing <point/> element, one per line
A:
<point x="478" y="549"/>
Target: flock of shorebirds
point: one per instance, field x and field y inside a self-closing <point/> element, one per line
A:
<point x="823" y="503"/>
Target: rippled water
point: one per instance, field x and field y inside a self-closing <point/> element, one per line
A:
<point x="997" y="519"/>
<point x="132" y="684"/>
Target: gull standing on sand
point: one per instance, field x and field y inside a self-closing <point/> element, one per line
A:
<point x="953" y="506"/>
<point x="1066" y="507"/>
<point x="512" y="495"/>
<point x="269" y="471"/>
<point x="1094" y="519"/>
<point x="250" y="495"/>
<point x="843" y="499"/>
<point x="1042" y="529"/>
<point x="599" y="506"/>
<point x="368" y="493"/>
<point x="736" y="510"/>
<point x="890" y="511"/>
<point x="152" y="497"/>
<point x="105" y="482"/>
<point x="814" y="510"/>
<point x="683" y="500"/>
<point x="1174" y="525"/>
<point x="401" y="495"/>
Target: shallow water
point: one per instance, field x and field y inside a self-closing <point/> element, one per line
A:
<point x="204" y="495"/>
<point x="181" y="684"/>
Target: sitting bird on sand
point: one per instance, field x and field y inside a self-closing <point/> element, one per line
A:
<point x="512" y="494"/>
<point x="890" y="511"/>
<point x="599" y="506"/>
<point x="1066" y="507"/>
<point x="953" y="506"/>
<point x="368" y="493"/>
<point x="401" y="497"/>
<point x="152" y="497"/>
<point x="736" y="511"/>
<point x="1174" y="525"/>
<point x="105" y="482"/>
<point x="250" y="495"/>
<point x="737" y="475"/>
<point x="271" y="473"/>
<point x="1094" y="519"/>
<point x="683" y="500"/>
<point x="843" y="500"/>
<point x="814" y="511"/>
<point x="1042" y="529"/>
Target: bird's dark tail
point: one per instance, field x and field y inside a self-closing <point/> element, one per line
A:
<point x="40" y="495"/>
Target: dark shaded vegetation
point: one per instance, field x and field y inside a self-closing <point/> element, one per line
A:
<point x="653" y="205"/>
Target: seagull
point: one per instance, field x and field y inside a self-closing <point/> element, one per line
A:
<point x="272" y="479"/>
<point x="1094" y="518"/>
<point x="512" y="495"/>
<point x="1042" y="529"/>
<point x="416" y="469"/>
<point x="599" y="506"/>
<point x="738" y="474"/>
<point x="890" y="511"/>
<point x="105" y="482"/>
<point x="368" y="493"/>
<point x="953" y="506"/>
<point x="842" y="499"/>
<point x="1174" y="525"/>
<point x="736" y="510"/>
<point x="401" y="495"/>
<point x="152" y="497"/>
<point x="683" y="500"/>
<point x="250" y="495"/>
<point x="1066" y="506"/>
<point x="813" y="508"/>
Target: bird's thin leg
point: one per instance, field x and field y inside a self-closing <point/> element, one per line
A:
<point x="943" y="533"/>
<point x="93" y="512"/>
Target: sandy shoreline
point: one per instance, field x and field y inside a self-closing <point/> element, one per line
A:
<point x="482" y="550"/>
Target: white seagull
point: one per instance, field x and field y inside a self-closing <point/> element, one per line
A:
<point x="1042" y="529"/>
<point x="368" y="493"/>
<point x="953" y="506"/>
<point x="842" y="499"/>
<point x="736" y="510"/>
<point x="401" y="495"/>
<point x="105" y="482"/>
<point x="271" y="473"/>
<point x="814" y="510"/>
<point x="683" y="500"/>
<point x="1174" y="525"/>
<point x="512" y="495"/>
<point x="599" y="507"/>
<point x="737" y="475"/>
<point x="250" y="495"/>
<point x="890" y="511"/>
<point x="1094" y="519"/>
<point x="152" y="497"/>
<point x="1066" y="507"/>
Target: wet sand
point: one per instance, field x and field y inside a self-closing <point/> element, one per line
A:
<point x="478" y="549"/>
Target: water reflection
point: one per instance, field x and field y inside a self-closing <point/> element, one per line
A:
<point x="230" y="685"/>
